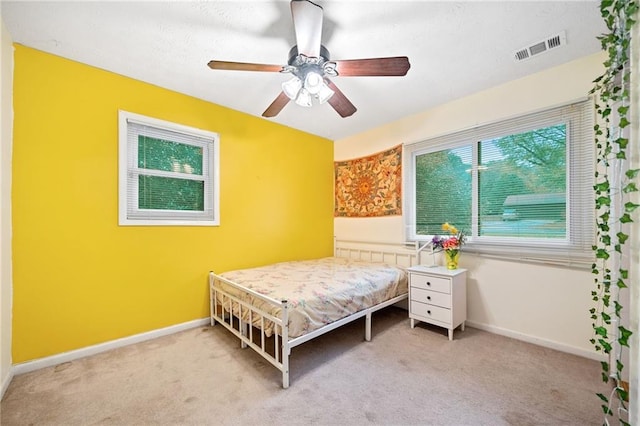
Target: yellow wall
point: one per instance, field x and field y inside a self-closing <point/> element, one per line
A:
<point x="79" y="278"/>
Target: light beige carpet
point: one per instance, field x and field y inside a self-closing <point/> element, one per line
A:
<point x="403" y="376"/>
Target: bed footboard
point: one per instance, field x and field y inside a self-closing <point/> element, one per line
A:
<point x="237" y="316"/>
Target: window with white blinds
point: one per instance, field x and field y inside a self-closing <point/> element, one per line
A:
<point x="519" y="188"/>
<point x="168" y="173"/>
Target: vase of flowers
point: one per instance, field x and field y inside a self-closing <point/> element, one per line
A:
<point x="451" y="258"/>
<point x="451" y="245"/>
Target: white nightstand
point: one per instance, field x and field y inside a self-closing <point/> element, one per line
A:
<point x="438" y="296"/>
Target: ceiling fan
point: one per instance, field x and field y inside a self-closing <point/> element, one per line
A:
<point x="311" y="67"/>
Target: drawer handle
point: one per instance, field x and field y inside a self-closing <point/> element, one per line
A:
<point x="428" y="297"/>
<point x="428" y="283"/>
<point x="429" y="312"/>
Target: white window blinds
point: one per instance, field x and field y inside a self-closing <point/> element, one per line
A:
<point x="168" y="173"/>
<point x="520" y="187"/>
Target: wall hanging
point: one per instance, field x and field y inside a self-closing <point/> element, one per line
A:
<point x="369" y="186"/>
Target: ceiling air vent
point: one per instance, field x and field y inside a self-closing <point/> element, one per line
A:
<point x="541" y="47"/>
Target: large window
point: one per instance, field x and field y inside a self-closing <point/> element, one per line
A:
<point x="521" y="187"/>
<point x="168" y="173"/>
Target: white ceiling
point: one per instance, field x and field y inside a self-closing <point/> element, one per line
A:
<point x="455" y="48"/>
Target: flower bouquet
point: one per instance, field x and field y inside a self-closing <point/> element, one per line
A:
<point x="451" y="245"/>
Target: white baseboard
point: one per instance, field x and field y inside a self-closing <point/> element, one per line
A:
<point x="538" y="341"/>
<point x="50" y="361"/>
<point x="5" y="383"/>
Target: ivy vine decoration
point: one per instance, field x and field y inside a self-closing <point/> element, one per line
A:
<point x="614" y="184"/>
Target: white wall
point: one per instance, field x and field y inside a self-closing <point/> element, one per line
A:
<point x="6" y="126"/>
<point x="544" y="304"/>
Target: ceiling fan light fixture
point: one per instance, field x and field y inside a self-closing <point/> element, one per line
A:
<point x="304" y="98"/>
<point x="324" y="93"/>
<point x="292" y="87"/>
<point x="313" y="82"/>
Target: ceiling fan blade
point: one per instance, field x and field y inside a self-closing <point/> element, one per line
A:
<point x="307" y="23"/>
<point x="395" y="66"/>
<point x="243" y="66"/>
<point x="276" y="106"/>
<point x="339" y="101"/>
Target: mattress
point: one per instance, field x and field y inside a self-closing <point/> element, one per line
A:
<point x="318" y="291"/>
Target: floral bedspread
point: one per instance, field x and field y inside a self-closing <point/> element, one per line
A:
<point x="319" y="291"/>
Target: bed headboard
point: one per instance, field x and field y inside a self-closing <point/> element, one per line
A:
<point x="396" y="253"/>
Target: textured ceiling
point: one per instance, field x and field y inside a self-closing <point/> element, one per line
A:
<point x="455" y="48"/>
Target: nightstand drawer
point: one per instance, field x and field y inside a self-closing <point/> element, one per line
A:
<point x="431" y="297"/>
<point x="443" y="285"/>
<point x="431" y="312"/>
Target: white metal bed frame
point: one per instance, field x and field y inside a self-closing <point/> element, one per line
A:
<point x="282" y="346"/>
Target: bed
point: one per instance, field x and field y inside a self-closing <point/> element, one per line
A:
<point x="274" y="308"/>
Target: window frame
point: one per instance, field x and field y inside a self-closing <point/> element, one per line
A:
<point x="576" y="249"/>
<point x="128" y="212"/>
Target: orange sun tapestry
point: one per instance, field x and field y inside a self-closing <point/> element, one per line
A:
<point x="369" y="186"/>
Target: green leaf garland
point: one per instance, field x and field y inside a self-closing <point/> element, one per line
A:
<point x="613" y="210"/>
